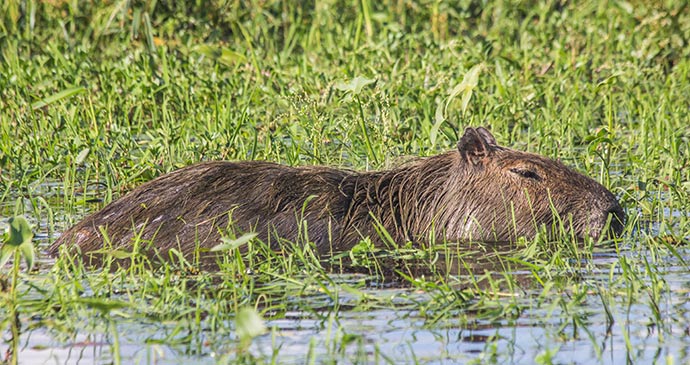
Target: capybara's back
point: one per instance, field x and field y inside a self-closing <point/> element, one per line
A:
<point x="480" y="192"/>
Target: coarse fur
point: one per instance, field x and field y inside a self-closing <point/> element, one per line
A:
<point x="481" y="191"/>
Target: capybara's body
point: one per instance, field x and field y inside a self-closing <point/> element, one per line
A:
<point x="479" y="192"/>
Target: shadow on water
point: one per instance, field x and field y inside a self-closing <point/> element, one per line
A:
<point x="476" y="264"/>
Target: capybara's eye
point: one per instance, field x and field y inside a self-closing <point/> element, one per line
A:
<point x="526" y="173"/>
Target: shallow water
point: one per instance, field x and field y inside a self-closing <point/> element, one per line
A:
<point x="531" y="324"/>
<point x="403" y="336"/>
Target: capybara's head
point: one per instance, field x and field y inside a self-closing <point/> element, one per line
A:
<point x="508" y="194"/>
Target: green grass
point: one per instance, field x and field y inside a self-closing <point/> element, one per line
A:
<point x="97" y="98"/>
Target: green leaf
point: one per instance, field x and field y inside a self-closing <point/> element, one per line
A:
<point x="64" y="94"/>
<point x="6" y="252"/>
<point x="350" y="338"/>
<point x="229" y="57"/>
<point x="439" y="118"/>
<point x="27" y="250"/>
<point x="546" y="356"/>
<point x="20" y="231"/>
<point x="466" y="87"/>
<point x="120" y="254"/>
<point x="355" y="86"/>
<point x="223" y="55"/>
<point x="231" y="244"/>
<point x="249" y="324"/>
<point x="19" y="240"/>
<point x="360" y="295"/>
<point x="82" y="155"/>
<point x="117" y="254"/>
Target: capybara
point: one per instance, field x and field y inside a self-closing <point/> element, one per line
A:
<point x="479" y="192"/>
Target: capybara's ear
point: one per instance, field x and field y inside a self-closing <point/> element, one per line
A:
<point x="476" y="144"/>
<point x="487" y="136"/>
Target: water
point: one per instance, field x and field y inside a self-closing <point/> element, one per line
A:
<point x="403" y="336"/>
<point x="589" y="319"/>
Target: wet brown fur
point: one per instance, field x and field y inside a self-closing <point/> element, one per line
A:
<point x="481" y="191"/>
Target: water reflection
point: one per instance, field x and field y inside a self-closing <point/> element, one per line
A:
<point x="476" y="264"/>
<point x="631" y="324"/>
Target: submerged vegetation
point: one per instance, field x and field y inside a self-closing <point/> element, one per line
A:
<point x="99" y="97"/>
